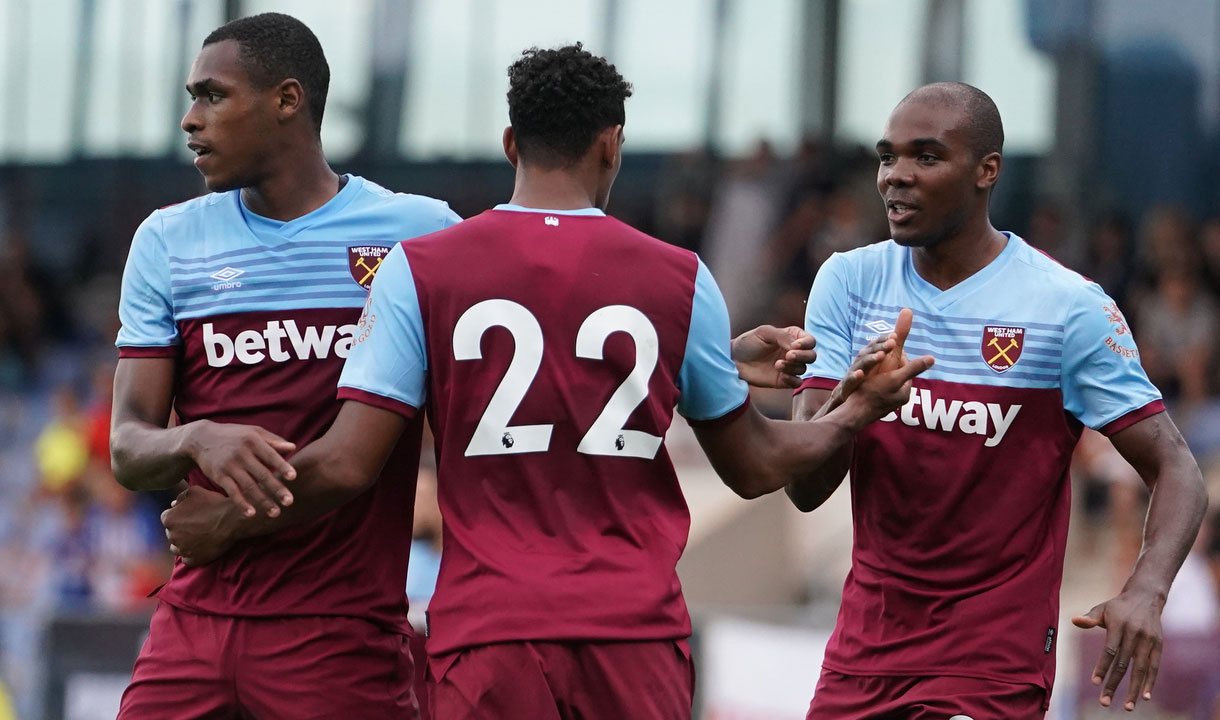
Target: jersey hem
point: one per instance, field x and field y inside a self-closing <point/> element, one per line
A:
<point x="402" y="627"/>
<point x="1037" y="680"/>
<point x="727" y="417"/>
<point x="152" y="351"/>
<point x="378" y="401"/>
<point x="1131" y="418"/>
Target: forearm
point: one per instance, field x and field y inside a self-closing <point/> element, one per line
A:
<point x="1175" y="513"/>
<point x="147" y="457"/>
<point x="815" y="483"/>
<point x="326" y="480"/>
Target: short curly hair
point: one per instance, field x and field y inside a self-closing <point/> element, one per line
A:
<point x="560" y="99"/>
<point x="275" y="47"/>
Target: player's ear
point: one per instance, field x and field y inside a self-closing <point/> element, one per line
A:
<point x="611" y="143"/>
<point x="989" y="170"/>
<point x="510" y="145"/>
<point x="290" y="98"/>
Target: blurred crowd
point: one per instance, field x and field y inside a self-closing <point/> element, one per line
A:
<point x="72" y="540"/>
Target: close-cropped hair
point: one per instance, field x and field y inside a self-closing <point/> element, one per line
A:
<point x="982" y="124"/>
<point x="559" y="100"/>
<point x="276" y="47"/>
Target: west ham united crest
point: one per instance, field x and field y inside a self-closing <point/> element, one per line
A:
<point x="1002" y="346"/>
<point x="363" y="261"/>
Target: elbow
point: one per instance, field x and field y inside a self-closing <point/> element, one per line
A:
<point x="119" y="465"/>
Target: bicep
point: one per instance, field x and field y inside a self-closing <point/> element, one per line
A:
<point x="1150" y="445"/>
<point x="143" y="390"/>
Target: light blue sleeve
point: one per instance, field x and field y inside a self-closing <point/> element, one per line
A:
<point x="708" y="379"/>
<point x="828" y="320"/>
<point x="146" y="308"/>
<point x="388" y="357"/>
<point x="448" y="217"/>
<point x="1102" y="376"/>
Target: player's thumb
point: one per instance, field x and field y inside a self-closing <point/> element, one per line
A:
<point x="1091" y="619"/>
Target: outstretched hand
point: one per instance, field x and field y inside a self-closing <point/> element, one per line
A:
<point x="1132" y="621"/>
<point x="881" y="374"/>
<point x="772" y="357"/>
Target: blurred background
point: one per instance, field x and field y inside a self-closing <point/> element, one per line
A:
<point x="748" y="140"/>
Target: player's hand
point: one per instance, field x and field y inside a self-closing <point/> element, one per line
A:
<point x="869" y="357"/>
<point x="1133" y="642"/>
<point x="246" y="462"/>
<point x="773" y="357"/>
<point x="200" y="526"/>
<point x="886" y="385"/>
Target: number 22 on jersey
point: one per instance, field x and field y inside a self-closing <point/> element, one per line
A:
<point x="494" y="436"/>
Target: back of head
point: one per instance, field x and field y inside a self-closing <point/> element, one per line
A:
<point x="981" y="118"/>
<point x="276" y="47"/>
<point x="559" y="100"/>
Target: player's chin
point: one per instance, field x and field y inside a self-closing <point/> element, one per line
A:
<point x="221" y="181"/>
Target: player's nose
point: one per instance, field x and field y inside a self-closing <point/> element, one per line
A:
<point x="192" y="120"/>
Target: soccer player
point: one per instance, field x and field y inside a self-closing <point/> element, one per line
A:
<point x="239" y="307"/>
<point x="960" y="500"/>
<point x="550" y="344"/>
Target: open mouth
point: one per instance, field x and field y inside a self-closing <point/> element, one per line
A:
<point x="201" y="151"/>
<point x="899" y="212"/>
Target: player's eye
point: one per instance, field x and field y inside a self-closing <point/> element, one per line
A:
<point x="927" y="158"/>
<point x="886" y="158"/>
<point x="214" y="97"/>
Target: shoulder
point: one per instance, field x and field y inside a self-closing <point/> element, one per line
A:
<point x="1045" y="275"/>
<point x="174" y="224"/>
<point x="405" y="206"/>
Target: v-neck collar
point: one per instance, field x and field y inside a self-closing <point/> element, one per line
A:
<point x="942" y="299"/>
<point x="289" y="228"/>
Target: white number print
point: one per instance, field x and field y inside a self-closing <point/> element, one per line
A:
<point x="494" y="436"/>
<point x="607" y="436"/>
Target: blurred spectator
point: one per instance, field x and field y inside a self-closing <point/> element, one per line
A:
<point x="1108" y="258"/>
<point x="1048" y="232"/>
<point x="61" y="449"/>
<point x="683" y="198"/>
<point x="1177" y="327"/>
<point x="745" y="213"/>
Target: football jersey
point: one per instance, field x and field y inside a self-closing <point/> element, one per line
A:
<point x="550" y="349"/>
<point x="961" y="498"/>
<point x="259" y="315"/>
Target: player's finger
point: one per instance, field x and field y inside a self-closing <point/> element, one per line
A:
<point x="1139" y="672"/>
<point x="235" y="494"/>
<point x="902" y="327"/>
<point x="907" y="372"/>
<point x="1154" y="667"/>
<point x="253" y="492"/>
<point x="280" y="444"/>
<point x="269" y="471"/>
<point x="1093" y="618"/>
<point x="1118" y="670"/>
<point x="800" y="339"/>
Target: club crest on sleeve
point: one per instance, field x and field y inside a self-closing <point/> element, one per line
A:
<point x="1002" y="346"/>
<point x="363" y="261"/>
<point x="1115" y="316"/>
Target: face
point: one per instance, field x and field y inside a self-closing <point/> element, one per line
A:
<point x="928" y="176"/>
<point x="230" y="122"/>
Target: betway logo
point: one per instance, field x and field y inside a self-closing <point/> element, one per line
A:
<point x="251" y="347"/>
<point x="990" y="420"/>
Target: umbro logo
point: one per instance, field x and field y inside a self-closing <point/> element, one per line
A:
<point x="551" y="220"/>
<point x="226" y="278"/>
<point x="879" y="326"/>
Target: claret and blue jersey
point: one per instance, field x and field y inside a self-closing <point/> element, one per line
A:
<point x="550" y="349"/>
<point x="961" y="498"/>
<point x="259" y="316"/>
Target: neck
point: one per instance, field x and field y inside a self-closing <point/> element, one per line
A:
<point x="297" y="184"/>
<point x="956" y="258"/>
<point x="559" y="189"/>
